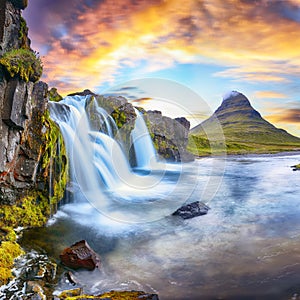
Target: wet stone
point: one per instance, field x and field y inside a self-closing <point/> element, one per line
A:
<point x="192" y="210"/>
<point x="80" y="255"/>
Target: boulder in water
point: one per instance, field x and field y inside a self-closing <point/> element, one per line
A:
<point x="80" y="255"/>
<point x="192" y="210"/>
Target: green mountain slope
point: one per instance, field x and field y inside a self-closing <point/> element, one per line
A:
<point x="236" y="127"/>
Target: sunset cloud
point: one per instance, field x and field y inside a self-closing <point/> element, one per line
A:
<point x="89" y="42"/>
<point x="285" y="115"/>
<point x="270" y="95"/>
<point x="249" y="45"/>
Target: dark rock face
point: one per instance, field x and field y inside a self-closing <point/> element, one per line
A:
<point x="20" y="4"/>
<point x="10" y="27"/>
<point x="170" y="136"/>
<point x="25" y="140"/>
<point x="80" y="255"/>
<point x="30" y="143"/>
<point x="192" y="210"/>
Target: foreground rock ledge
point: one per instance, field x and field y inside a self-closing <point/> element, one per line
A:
<point x="113" y="295"/>
<point x="80" y="255"/>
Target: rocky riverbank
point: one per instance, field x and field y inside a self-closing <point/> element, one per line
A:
<point x="33" y="162"/>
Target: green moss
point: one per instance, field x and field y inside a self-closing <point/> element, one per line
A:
<point x="23" y="63"/>
<point x="53" y="95"/>
<point x="8" y="252"/>
<point x="7" y="234"/>
<point x="35" y="207"/>
<point x="23" y="32"/>
<point x="55" y="160"/>
<point x="29" y="212"/>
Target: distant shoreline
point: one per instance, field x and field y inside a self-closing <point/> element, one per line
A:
<point x="277" y="154"/>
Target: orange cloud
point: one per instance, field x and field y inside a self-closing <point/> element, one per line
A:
<point x="269" y="94"/>
<point x="141" y="101"/>
<point x="236" y="34"/>
<point x="285" y="115"/>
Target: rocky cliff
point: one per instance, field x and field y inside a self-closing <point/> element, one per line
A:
<point x="33" y="162"/>
<point x="170" y="136"/>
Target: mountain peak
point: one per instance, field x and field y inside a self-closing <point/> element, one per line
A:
<point x="231" y="94"/>
<point x="234" y="100"/>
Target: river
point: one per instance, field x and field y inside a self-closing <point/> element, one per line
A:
<point x="246" y="247"/>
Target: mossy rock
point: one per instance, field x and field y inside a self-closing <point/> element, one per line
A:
<point x="117" y="295"/>
<point x="34" y="208"/>
<point x="23" y="34"/>
<point x="53" y="95"/>
<point x="22" y="63"/>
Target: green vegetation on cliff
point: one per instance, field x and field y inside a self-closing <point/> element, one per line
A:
<point x="37" y="205"/>
<point x="23" y="63"/>
<point x="54" y="95"/>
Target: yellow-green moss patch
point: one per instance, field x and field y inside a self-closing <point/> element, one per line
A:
<point x="8" y="252"/>
<point x="23" y="63"/>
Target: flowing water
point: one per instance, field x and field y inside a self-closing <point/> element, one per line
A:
<point x="246" y="247"/>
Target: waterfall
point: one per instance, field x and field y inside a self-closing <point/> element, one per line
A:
<point x="100" y="168"/>
<point x="145" y="152"/>
<point x="98" y="158"/>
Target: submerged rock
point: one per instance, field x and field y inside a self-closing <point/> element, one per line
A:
<point x="192" y="210"/>
<point x="80" y="255"/>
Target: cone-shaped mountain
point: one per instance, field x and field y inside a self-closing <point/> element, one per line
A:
<point x="238" y="122"/>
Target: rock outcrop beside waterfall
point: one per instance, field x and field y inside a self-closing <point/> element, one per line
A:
<point x="170" y="136"/>
<point x="33" y="170"/>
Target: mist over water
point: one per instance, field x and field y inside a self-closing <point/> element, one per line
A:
<point x="246" y="247"/>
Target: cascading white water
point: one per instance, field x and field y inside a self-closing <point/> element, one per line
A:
<point x="100" y="168"/>
<point x="146" y="156"/>
<point x="90" y="150"/>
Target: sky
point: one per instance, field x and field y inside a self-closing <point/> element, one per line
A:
<point x="178" y="56"/>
